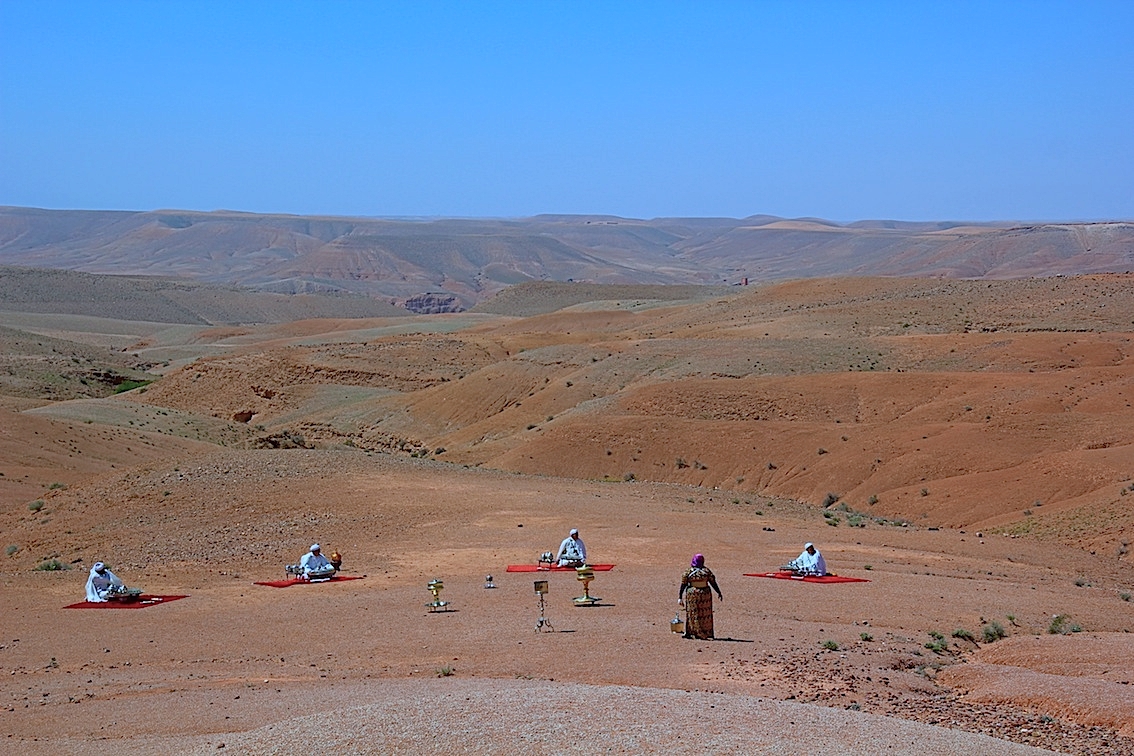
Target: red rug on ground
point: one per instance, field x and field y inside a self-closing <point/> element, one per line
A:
<point x="295" y="581"/>
<point x="808" y="579"/>
<point x="140" y="603"/>
<point x="556" y="568"/>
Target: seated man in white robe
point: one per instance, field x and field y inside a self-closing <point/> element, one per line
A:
<point x="315" y="566"/>
<point x="103" y="584"/>
<point x="572" y="552"/>
<point x="809" y="562"/>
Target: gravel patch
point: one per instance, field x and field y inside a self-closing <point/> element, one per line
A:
<point x="447" y="716"/>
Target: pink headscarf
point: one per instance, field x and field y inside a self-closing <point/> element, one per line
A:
<point x="698" y="560"/>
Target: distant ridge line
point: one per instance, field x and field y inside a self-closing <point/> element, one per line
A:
<point x="473" y="259"/>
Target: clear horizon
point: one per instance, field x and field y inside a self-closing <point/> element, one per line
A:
<point x="1002" y="111"/>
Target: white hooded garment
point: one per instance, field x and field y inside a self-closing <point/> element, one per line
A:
<point x="99" y="583"/>
<point x="572" y="549"/>
<point x="315" y="562"/>
<point x="812" y="564"/>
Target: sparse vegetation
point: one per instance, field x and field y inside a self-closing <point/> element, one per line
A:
<point x="993" y="631"/>
<point x="1061" y="625"/>
<point x="36" y="505"/>
<point x="938" y="645"/>
<point x="964" y="634"/>
<point x="1123" y="596"/>
<point x="866" y="637"/>
<point x="13" y="548"/>
<point x="830" y="499"/>
<point x="51" y="565"/>
<point x="130" y="386"/>
<point x="56" y="486"/>
<point x="830" y="645"/>
<point x="445" y="671"/>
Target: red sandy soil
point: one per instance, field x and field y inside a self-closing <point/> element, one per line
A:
<point x="198" y="666"/>
<point x="999" y="460"/>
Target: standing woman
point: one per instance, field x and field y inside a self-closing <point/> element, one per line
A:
<point x="696" y="595"/>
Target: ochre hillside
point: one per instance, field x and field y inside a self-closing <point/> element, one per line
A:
<point x="962" y="449"/>
<point x="946" y="403"/>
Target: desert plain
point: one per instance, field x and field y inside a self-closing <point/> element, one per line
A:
<point x="965" y="446"/>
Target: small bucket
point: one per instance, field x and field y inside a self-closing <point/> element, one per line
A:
<point x="676" y="625"/>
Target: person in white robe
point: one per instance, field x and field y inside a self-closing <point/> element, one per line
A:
<point x="315" y="566"/>
<point x="102" y="583"/>
<point x="572" y="552"/>
<point x="809" y="562"/>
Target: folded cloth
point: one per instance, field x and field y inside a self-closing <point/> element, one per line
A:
<point x="300" y="581"/>
<point x="554" y="568"/>
<point x="783" y="575"/>
<point x="141" y="602"/>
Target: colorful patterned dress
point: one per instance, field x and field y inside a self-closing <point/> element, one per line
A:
<point x="697" y="586"/>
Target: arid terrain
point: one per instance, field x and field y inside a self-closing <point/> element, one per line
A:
<point x="469" y="260"/>
<point x="965" y="446"/>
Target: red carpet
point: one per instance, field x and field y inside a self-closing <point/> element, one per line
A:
<point x="544" y="568"/>
<point x="141" y="603"/>
<point x="808" y="579"/>
<point x="293" y="581"/>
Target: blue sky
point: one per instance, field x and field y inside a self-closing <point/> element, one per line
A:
<point x="840" y="110"/>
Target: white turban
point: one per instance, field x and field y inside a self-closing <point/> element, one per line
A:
<point x="315" y="547"/>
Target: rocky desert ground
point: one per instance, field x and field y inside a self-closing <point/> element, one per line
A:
<point x="965" y="446"/>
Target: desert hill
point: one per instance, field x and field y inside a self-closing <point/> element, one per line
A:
<point x="473" y="259"/>
<point x="950" y="403"/>
<point x="162" y="300"/>
<point x="66" y="334"/>
<point x="964" y="445"/>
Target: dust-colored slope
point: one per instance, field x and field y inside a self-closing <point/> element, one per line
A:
<point x="990" y="432"/>
<point x="236" y="658"/>
<point x="533" y="298"/>
<point x="41" y="456"/>
<point x="168" y="300"/>
<point x="952" y="403"/>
